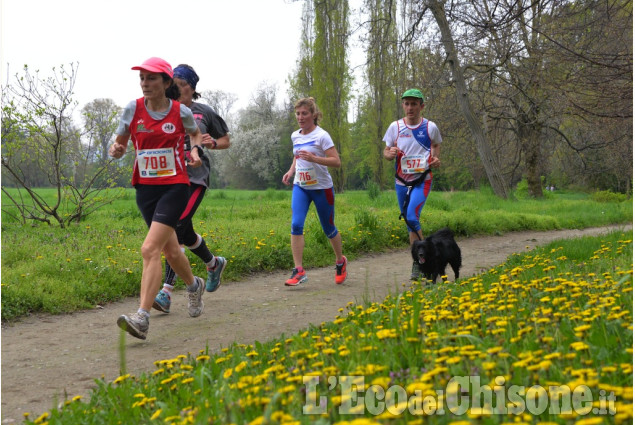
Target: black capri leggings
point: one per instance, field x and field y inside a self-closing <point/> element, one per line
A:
<point x="184" y="228"/>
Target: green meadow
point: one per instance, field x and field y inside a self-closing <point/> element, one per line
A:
<point x="53" y="270"/>
<point x="545" y="338"/>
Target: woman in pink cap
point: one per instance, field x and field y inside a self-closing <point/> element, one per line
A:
<point x="157" y="125"/>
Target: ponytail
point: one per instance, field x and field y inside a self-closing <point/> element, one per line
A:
<point x="173" y="91"/>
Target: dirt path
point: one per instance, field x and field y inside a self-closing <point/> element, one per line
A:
<point x="47" y="358"/>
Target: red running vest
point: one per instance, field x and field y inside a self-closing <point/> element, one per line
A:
<point x="159" y="147"/>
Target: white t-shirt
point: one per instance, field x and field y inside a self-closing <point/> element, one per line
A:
<point x="310" y="175"/>
<point x="414" y="143"/>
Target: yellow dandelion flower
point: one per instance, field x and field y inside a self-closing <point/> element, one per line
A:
<point x="121" y="378"/>
<point x="382" y="381"/>
<point x="582" y="328"/>
<point x="454" y="360"/>
<point x="579" y="346"/>
<point x="488" y="365"/>
<point x="386" y="333"/>
<point x="590" y="421"/>
<point x="258" y="421"/>
<point x="41" y="418"/>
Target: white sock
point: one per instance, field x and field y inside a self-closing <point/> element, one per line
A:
<point x="194" y="286"/>
<point x="167" y="288"/>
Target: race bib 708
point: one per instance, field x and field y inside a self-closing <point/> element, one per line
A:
<point x="156" y="162"/>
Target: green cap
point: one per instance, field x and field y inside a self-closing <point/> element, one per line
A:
<point x="412" y="93"/>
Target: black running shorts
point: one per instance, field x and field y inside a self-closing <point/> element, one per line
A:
<point x="162" y="203"/>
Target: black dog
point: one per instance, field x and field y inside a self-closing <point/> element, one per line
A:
<point x="435" y="252"/>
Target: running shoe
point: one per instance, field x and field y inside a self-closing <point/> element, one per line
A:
<point x="213" y="275"/>
<point x="340" y="272"/>
<point x="136" y="324"/>
<point x="195" y="299"/>
<point x="162" y="302"/>
<point x="416" y="273"/>
<point x="296" y="278"/>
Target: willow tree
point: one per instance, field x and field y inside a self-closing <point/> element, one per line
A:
<point x="301" y="83"/>
<point x="379" y="99"/>
<point x="332" y="89"/>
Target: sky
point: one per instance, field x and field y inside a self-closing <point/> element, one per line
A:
<point x="234" y="45"/>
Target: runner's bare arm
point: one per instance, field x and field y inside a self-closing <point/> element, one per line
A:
<point x="390" y="152"/>
<point x="286" y="179"/>
<point x="196" y="140"/>
<point x="220" y="143"/>
<point x="118" y="148"/>
<point x="332" y="158"/>
<point x="435" y="151"/>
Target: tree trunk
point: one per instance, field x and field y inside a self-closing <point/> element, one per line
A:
<point x="530" y="140"/>
<point x="488" y="159"/>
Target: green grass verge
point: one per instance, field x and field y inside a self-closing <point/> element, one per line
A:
<point x="558" y="318"/>
<point x="53" y="270"/>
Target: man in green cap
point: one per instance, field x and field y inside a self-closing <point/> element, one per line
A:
<point x="414" y="143"/>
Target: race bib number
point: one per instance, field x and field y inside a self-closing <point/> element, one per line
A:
<point x="156" y="162"/>
<point x="305" y="176"/>
<point x="413" y="164"/>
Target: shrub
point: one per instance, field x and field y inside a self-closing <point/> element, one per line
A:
<point x="373" y="189"/>
<point x="608" y="196"/>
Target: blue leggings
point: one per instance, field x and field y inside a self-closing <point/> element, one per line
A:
<point x="418" y="196"/>
<point x="324" y="200"/>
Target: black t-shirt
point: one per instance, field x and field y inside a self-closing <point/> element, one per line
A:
<point x="209" y="122"/>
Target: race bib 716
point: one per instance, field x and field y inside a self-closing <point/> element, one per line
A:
<point x="305" y="176"/>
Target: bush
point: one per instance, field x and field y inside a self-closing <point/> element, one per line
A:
<point x="522" y="190"/>
<point x="608" y="196"/>
<point x="373" y="190"/>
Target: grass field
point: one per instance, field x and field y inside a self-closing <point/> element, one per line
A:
<point x="545" y="338"/>
<point x="49" y="269"/>
<point x="552" y="322"/>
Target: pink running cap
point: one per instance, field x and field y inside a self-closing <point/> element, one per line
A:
<point x="157" y="65"/>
